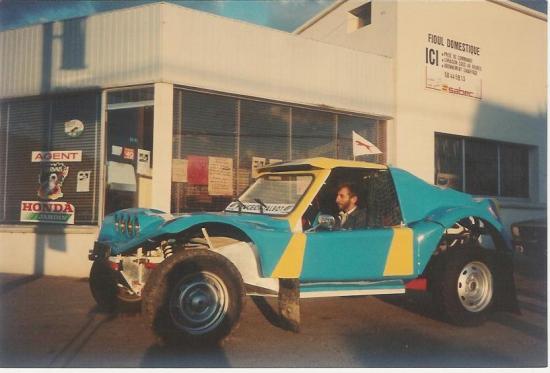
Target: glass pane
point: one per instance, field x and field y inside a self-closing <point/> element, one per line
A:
<point x="130" y="95"/>
<point x="514" y="171"/>
<point x="448" y="161"/>
<point x="273" y="194"/>
<point x="313" y="134"/>
<point x="264" y="137"/>
<point x="130" y="157"/>
<point x="205" y="145"/>
<point x="481" y="167"/>
<point x="364" y="127"/>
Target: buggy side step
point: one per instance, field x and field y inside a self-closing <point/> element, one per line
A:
<point x="343" y="289"/>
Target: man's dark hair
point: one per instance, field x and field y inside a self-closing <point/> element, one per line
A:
<point x="351" y="187"/>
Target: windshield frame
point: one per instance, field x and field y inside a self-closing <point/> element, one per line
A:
<point x="285" y="173"/>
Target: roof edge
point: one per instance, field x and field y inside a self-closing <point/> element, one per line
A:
<point x="505" y="3"/>
<point x="318" y="16"/>
<point x="520" y="8"/>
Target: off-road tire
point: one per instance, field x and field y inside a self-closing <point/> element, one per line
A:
<point x="104" y="288"/>
<point x="448" y="269"/>
<point x="166" y="280"/>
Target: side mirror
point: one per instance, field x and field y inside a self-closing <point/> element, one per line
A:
<point x="326" y="222"/>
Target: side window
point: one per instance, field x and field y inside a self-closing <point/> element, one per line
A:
<point x="325" y="201"/>
<point x="382" y="204"/>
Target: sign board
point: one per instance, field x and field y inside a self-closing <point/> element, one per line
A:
<point x="453" y="67"/>
<point x="57" y="156"/>
<point x="47" y="212"/>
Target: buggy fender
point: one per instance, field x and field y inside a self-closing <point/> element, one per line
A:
<point x="506" y="297"/>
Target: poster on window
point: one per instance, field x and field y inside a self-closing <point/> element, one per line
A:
<point x="179" y="170"/>
<point x="51" y="179"/>
<point x="83" y="181"/>
<point x="257" y="162"/>
<point x="144" y="162"/>
<point x="453" y="66"/>
<point x="197" y="170"/>
<point x="220" y="176"/>
<point x="47" y="212"/>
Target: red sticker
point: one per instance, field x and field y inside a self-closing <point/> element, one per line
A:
<point x="128" y="153"/>
<point x="197" y="170"/>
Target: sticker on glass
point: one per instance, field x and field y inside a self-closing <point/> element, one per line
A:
<point x="51" y="180"/>
<point x="74" y="128"/>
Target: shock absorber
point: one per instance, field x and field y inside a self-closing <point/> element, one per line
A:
<point x="167" y="247"/>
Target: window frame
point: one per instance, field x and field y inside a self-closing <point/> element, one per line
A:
<point x="499" y="144"/>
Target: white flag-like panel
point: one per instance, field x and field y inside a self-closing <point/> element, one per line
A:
<point x="362" y="146"/>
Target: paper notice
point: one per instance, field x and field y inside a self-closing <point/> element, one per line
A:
<point x="83" y="181"/>
<point x="144" y="162"/>
<point x="179" y="170"/>
<point x="257" y="162"/>
<point x="220" y="176"/>
<point x="116" y="150"/>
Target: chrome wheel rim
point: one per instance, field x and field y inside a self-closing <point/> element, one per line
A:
<point x="475" y="286"/>
<point x="199" y="303"/>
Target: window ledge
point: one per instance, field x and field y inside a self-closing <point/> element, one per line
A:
<point x="49" y="229"/>
<point x="524" y="205"/>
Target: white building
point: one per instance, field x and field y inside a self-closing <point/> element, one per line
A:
<point x="128" y="108"/>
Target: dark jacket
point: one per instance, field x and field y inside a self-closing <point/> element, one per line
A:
<point x="356" y="220"/>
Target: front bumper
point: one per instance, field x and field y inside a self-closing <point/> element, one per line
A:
<point x="100" y="251"/>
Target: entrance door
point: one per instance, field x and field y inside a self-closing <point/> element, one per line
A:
<point x="129" y="158"/>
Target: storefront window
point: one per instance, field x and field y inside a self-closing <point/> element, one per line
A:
<point x="365" y="127"/>
<point x="313" y="134"/>
<point x="481" y="167"/>
<point x="448" y="162"/>
<point x="129" y="158"/>
<point x="203" y="170"/>
<point x="489" y="167"/>
<point x="264" y="137"/>
<point x="514" y="175"/>
<point x="50" y="160"/>
<point x="220" y="142"/>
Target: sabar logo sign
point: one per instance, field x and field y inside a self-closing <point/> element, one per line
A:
<point x="47" y="212"/>
<point x="457" y="91"/>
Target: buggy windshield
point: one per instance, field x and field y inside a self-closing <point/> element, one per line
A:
<point x="272" y="194"/>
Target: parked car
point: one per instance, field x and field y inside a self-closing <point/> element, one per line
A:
<point x="529" y="238"/>
<point x="279" y="238"/>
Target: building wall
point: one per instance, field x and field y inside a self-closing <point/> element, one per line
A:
<point x="168" y="43"/>
<point x="513" y="77"/>
<point x="104" y="50"/>
<point x="202" y="50"/>
<point x="512" y="108"/>
<point x="379" y="37"/>
<point x="39" y="251"/>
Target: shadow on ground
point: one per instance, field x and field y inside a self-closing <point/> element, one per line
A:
<point x="161" y="356"/>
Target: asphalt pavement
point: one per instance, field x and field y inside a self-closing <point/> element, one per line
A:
<point x="53" y="322"/>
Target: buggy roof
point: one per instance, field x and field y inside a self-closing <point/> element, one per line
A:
<point x="319" y="163"/>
